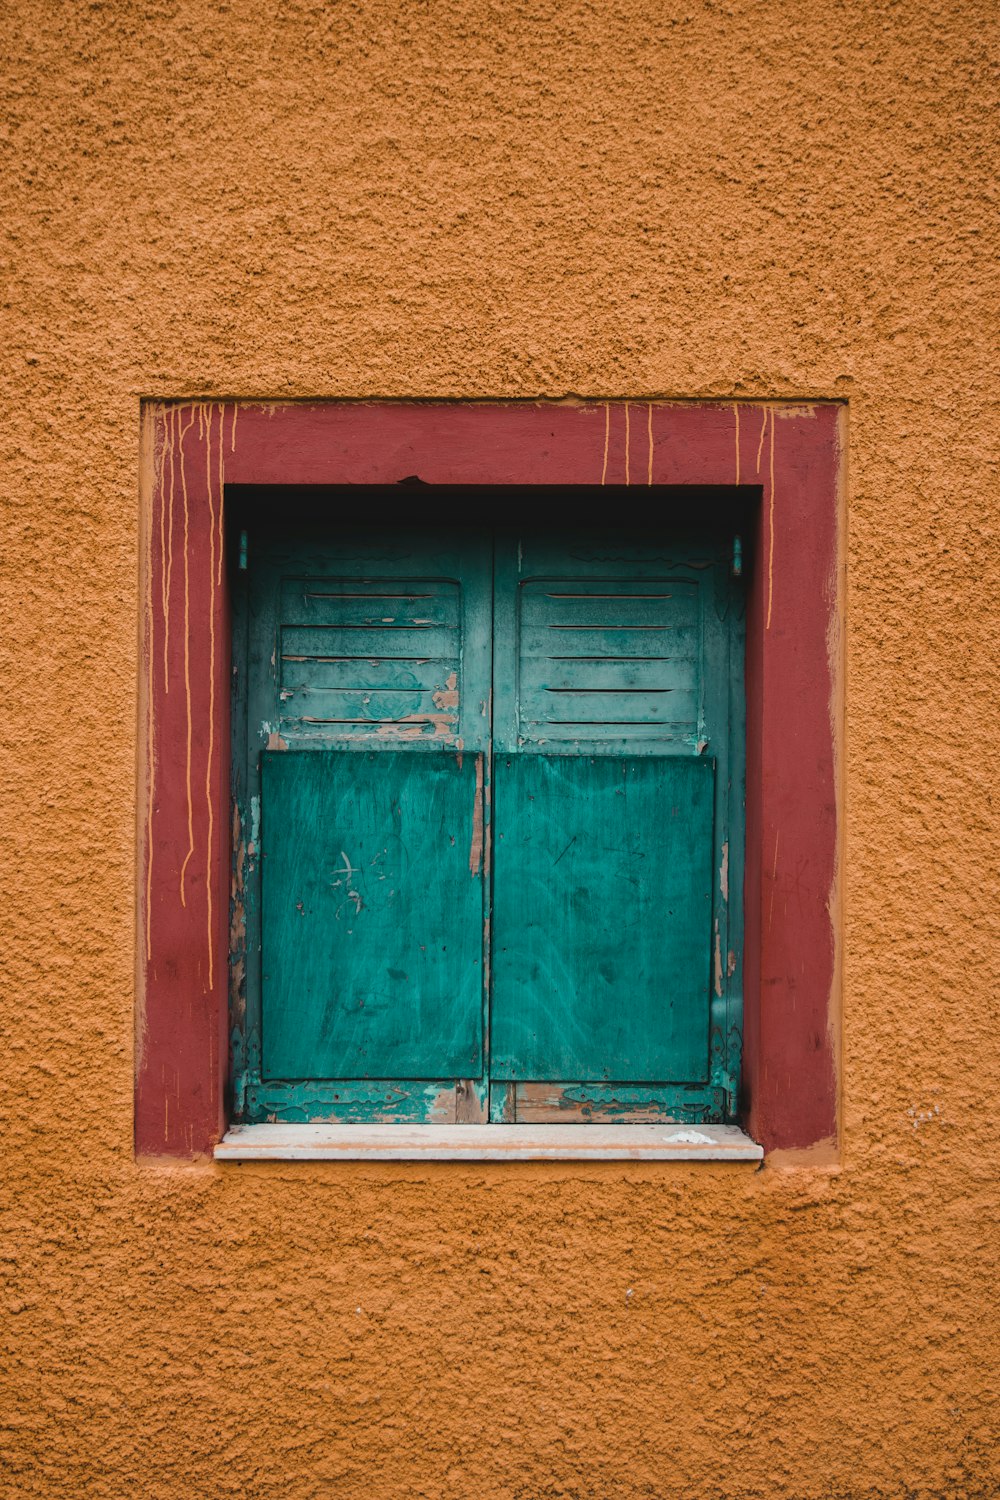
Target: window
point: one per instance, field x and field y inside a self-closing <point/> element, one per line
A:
<point x="782" y="464"/>
<point x="492" y="777"/>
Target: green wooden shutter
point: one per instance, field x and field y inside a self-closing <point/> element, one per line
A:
<point x="615" y="953"/>
<point x="367" y="734"/>
<point x="491" y="797"/>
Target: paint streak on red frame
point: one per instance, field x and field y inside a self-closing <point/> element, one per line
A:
<point x="793" y="454"/>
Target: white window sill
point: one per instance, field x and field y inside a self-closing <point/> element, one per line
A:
<point x="328" y="1142"/>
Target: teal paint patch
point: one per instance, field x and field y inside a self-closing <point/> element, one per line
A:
<point x="372" y="920"/>
<point x="602" y="917"/>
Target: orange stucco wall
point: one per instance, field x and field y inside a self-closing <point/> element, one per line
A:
<point x="459" y="200"/>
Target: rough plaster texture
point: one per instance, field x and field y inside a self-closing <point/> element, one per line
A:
<point x="462" y="200"/>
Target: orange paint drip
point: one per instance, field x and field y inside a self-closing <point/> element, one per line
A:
<point x="627" y="480"/>
<point x="187" y="653"/>
<point x="770" y="530"/>
<point x="222" y="491"/>
<point x="649" y="434"/>
<point x="157" y="503"/>
<point x="760" y="445"/>
<point x="149" y="818"/>
<point x="736" y="415"/>
<point x="150" y="636"/>
<point x="607" y="439"/>
<point x="158" y="453"/>
<point x="210" y="839"/>
<point x="167" y="545"/>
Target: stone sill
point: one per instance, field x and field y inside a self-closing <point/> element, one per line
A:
<point x="590" y="1142"/>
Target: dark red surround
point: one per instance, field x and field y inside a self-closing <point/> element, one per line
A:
<point x="794" y="454"/>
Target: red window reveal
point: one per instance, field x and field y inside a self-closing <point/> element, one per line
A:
<point x="787" y="459"/>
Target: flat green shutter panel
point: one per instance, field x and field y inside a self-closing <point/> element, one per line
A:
<point x="602" y="917"/>
<point x="372" y="915"/>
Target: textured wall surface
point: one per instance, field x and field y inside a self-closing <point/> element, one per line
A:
<point x="475" y="199"/>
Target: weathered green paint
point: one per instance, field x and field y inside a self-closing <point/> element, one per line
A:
<point x="612" y="1103"/>
<point x="606" y="659"/>
<point x="358" y="638"/>
<point x="367" y="671"/>
<point x="399" y="1102"/>
<point x="602" y="911"/>
<point x="372" y="915"/>
<point x="627" y="646"/>
<point x="383" y="677"/>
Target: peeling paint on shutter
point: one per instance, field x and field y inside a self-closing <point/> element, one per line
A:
<point x="524" y="754"/>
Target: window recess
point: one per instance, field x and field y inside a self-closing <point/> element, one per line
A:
<point x="488" y="784"/>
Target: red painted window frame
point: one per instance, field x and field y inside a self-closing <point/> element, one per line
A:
<point x="792" y="454"/>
